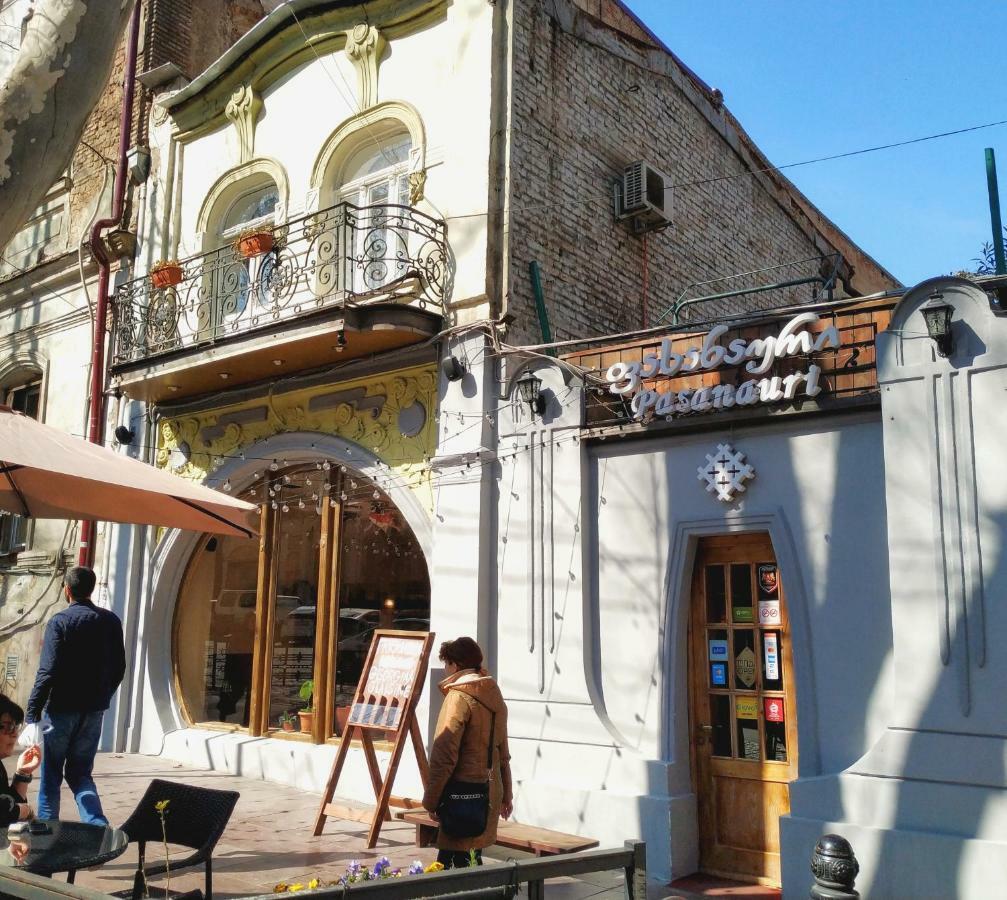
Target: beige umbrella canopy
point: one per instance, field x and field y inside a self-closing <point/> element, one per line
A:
<point x="48" y="474"/>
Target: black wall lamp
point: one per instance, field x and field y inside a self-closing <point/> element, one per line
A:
<point x="453" y="368"/>
<point x="530" y="390"/>
<point x="937" y="314"/>
<point x="124" y="434"/>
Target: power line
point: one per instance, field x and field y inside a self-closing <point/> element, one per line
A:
<point x="749" y="173"/>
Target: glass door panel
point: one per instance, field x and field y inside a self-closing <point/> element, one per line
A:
<point x="383" y="583"/>
<point x="292" y="640"/>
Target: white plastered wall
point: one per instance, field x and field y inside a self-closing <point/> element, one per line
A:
<point x="598" y="705"/>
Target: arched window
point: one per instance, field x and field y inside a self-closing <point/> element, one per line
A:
<point x="378" y="173"/>
<point x="249" y="633"/>
<point x="375" y="180"/>
<point x="236" y="280"/>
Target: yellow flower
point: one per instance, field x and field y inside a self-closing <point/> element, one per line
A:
<point x="434" y="867"/>
<point x="295" y="887"/>
<point x="313" y="884"/>
<point x="281" y="888"/>
<point x="161" y="805"/>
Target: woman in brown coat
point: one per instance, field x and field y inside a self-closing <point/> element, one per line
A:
<point x="459" y="750"/>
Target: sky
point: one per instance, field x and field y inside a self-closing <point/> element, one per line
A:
<point x="814" y="78"/>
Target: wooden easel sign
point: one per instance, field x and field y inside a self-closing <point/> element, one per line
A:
<point x="384" y="701"/>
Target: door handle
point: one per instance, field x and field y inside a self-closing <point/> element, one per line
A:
<point x="706" y="728"/>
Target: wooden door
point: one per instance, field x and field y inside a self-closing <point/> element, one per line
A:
<point x="742" y="710"/>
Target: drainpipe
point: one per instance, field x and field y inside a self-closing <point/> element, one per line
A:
<point x="96" y="405"/>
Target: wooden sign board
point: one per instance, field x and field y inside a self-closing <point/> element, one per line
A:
<point x="384" y="701"/>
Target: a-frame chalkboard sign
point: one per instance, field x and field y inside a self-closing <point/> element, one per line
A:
<point x="384" y="702"/>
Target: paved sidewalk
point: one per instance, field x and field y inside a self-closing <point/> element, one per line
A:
<point x="269" y="840"/>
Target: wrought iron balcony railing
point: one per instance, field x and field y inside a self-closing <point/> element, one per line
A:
<point x="338" y="257"/>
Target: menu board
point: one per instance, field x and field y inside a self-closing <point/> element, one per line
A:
<point x="387" y="681"/>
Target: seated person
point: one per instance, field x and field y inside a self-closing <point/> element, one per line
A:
<point x="14" y="805"/>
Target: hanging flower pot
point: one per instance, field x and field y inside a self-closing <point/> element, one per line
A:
<point x="165" y="274"/>
<point x="254" y="243"/>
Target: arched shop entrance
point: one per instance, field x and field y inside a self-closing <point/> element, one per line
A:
<point x="254" y="621"/>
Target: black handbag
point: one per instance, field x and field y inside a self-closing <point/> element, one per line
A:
<point x="464" y="807"/>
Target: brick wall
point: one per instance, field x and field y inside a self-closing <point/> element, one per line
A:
<point x="189" y="33"/>
<point x="587" y="100"/>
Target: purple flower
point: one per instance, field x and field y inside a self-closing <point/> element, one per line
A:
<point x="416" y="868"/>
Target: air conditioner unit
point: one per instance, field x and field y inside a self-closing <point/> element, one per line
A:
<point x="645" y="197"/>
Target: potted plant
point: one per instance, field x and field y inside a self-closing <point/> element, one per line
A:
<point x="165" y="273"/>
<point x="254" y="242"/>
<point x="307" y="714"/>
<point x="286" y="721"/>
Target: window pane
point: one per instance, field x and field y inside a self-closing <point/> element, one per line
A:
<point x="744" y="659"/>
<point x="293" y="639"/>
<point x="717" y="654"/>
<point x="383" y="582"/>
<point x="776" y="728"/>
<point x="720" y="719"/>
<point x="254" y="205"/>
<point x="772" y="667"/>
<point x="25" y="399"/>
<point x="215" y="630"/>
<point x="747" y="716"/>
<point x="741" y="593"/>
<point x="372" y="160"/>
<point x="716" y="594"/>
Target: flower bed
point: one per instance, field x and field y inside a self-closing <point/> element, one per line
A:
<point x="356" y="872"/>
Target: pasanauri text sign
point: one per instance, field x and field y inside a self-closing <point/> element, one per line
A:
<point x="757" y="356"/>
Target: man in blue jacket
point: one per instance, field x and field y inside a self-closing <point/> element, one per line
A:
<point x="83" y="661"/>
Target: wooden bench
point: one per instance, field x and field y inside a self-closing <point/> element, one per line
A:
<point x="540" y="841"/>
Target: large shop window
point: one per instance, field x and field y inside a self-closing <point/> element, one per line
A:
<point x="254" y="622"/>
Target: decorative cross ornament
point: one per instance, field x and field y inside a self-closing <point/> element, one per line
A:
<point x="726" y="472"/>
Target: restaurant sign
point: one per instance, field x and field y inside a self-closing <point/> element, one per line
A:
<point x="758" y="355"/>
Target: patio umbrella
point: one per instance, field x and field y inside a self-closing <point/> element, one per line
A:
<point x="48" y="474"/>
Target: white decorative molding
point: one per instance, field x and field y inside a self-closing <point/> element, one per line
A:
<point x="364" y="47"/>
<point x="244" y="109"/>
<point x="726" y="472"/>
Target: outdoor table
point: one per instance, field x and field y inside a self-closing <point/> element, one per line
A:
<point x="71" y="846"/>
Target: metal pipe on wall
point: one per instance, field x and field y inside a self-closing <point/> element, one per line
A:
<point x="97" y="405"/>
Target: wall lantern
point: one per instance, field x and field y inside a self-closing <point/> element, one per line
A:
<point x="529" y="387"/>
<point x="453" y="368"/>
<point x="937" y="314"/>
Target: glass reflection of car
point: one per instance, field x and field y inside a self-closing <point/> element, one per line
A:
<point x="356" y="626"/>
<point x="411" y="624"/>
<point x="298" y="627"/>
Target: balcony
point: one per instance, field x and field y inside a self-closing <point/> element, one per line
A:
<point x="339" y="283"/>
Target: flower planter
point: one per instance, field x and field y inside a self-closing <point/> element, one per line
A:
<point x="165" y="276"/>
<point x="249" y="245"/>
<point x="287" y="726"/>
<point x="307" y="719"/>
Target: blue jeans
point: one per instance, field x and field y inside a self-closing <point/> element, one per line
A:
<point x="68" y="751"/>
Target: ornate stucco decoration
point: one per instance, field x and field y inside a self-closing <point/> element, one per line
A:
<point x="364" y="47"/>
<point x="244" y="109"/>
<point x="391" y="416"/>
<point x="417" y="185"/>
<point x="725" y="472"/>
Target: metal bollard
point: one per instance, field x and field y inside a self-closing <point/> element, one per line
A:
<point x="835" y="869"/>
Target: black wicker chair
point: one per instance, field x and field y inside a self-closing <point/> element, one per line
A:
<point x="195" y="817"/>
